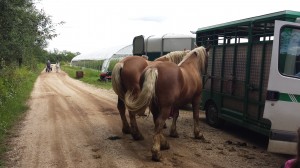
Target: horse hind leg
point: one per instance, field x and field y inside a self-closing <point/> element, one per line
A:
<point x="173" y="130"/>
<point x="122" y="110"/>
<point x="159" y="143"/>
<point x="164" y="144"/>
<point x="136" y="135"/>
<point x="154" y="110"/>
<point x="159" y="140"/>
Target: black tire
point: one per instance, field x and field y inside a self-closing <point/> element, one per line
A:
<point x="212" y="116"/>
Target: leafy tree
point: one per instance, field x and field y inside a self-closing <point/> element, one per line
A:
<point x="24" y="32"/>
<point x="61" y="56"/>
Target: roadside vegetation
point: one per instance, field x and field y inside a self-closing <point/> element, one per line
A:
<point x="24" y="31"/>
<point x="15" y="87"/>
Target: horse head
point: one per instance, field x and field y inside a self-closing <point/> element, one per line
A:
<point x="206" y="58"/>
<point x="204" y="71"/>
<point x="202" y="56"/>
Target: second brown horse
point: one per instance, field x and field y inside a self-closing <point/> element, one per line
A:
<point x="167" y="86"/>
<point x="125" y="79"/>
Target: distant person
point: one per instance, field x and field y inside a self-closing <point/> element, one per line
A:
<point x="57" y="66"/>
<point x="48" y="66"/>
<point x="295" y="162"/>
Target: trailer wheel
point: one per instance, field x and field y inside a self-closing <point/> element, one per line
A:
<point x="212" y="116"/>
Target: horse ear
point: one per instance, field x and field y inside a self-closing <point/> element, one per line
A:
<point x="208" y="48"/>
<point x="195" y="45"/>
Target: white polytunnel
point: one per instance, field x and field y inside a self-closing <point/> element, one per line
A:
<point x="101" y="54"/>
<point x="100" y="59"/>
<point x="119" y="55"/>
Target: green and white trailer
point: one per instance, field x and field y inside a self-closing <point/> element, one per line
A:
<point x="253" y="76"/>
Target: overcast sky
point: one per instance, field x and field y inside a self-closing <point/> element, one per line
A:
<point x="92" y="25"/>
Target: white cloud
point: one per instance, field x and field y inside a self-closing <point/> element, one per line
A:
<point x="94" y="24"/>
<point x="150" y="19"/>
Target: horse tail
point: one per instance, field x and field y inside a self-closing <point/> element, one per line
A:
<point x="143" y="100"/>
<point x="116" y="80"/>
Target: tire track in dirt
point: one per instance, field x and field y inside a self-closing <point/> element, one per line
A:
<point x="76" y="118"/>
<point x="87" y="97"/>
<point x="96" y="99"/>
<point x="47" y="92"/>
<point x="54" y="131"/>
<point x="140" y="149"/>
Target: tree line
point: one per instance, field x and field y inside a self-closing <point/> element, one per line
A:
<point x="24" y="31"/>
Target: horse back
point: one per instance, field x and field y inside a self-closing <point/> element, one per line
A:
<point x="169" y="82"/>
<point x="133" y="67"/>
<point x="176" y="84"/>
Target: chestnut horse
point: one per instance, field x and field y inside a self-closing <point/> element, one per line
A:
<point x="126" y="76"/>
<point x="167" y="86"/>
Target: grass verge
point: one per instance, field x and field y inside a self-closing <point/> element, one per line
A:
<point x="12" y="110"/>
<point x="89" y="76"/>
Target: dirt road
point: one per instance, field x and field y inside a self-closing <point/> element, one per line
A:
<point x="72" y="124"/>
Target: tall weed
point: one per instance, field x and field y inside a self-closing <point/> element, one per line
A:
<point x="16" y="85"/>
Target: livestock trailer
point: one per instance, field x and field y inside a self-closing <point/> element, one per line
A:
<point x="253" y="76"/>
<point x="156" y="46"/>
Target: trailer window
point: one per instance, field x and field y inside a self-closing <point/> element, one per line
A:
<point x="289" y="52"/>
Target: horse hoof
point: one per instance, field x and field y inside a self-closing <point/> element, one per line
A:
<point x="138" y="137"/>
<point x="165" y="126"/>
<point x="156" y="157"/>
<point x="174" y="135"/>
<point x="166" y="146"/>
<point x="126" y="131"/>
<point x="199" y="137"/>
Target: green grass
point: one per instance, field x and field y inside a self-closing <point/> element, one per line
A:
<point x="12" y="110"/>
<point x="89" y="76"/>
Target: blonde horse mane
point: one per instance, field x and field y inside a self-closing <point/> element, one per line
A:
<point x="116" y="83"/>
<point x="201" y="52"/>
<point x="174" y="56"/>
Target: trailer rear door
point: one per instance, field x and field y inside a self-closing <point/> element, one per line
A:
<point x="282" y="106"/>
